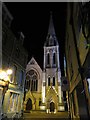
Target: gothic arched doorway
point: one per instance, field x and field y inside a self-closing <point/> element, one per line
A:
<point x="29" y="104"/>
<point x="52" y="107"/>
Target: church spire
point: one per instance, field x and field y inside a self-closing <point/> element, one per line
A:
<point x="51" y="29"/>
<point x="51" y="36"/>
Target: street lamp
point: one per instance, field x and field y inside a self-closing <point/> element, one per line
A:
<point x="4" y="75"/>
<point x="9" y="71"/>
<point x="4" y="82"/>
<point x="5" y="78"/>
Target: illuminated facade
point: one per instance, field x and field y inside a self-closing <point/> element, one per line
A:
<point x="51" y="86"/>
<point x="33" y="85"/>
<point x="48" y="96"/>
<point x="14" y="56"/>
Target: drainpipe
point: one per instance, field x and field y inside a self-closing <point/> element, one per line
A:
<point x="77" y="53"/>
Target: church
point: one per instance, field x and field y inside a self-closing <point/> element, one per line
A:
<point x="43" y="88"/>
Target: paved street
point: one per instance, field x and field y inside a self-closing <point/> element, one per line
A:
<point x="44" y="116"/>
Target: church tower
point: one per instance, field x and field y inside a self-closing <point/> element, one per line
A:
<point x="52" y="97"/>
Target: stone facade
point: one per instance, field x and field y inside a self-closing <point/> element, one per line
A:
<point x="33" y="85"/>
<point x="77" y="55"/>
<point x="14" y="56"/>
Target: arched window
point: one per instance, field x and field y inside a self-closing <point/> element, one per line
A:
<point x="49" y="81"/>
<point x="48" y="58"/>
<point x="53" y="81"/>
<point x="36" y="85"/>
<point x="54" y="61"/>
<point x="32" y="85"/>
<point x="33" y="80"/>
<point x="27" y="82"/>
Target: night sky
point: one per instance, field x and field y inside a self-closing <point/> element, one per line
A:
<point x="33" y="20"/>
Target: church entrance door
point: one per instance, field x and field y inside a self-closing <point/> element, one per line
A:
<point x="52" y="107"/>
<point x="29" y="104"/>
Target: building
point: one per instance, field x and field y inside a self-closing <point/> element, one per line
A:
<point x="14" y="56"/>
<point x="43" y="89"/>
<point x="33" y="86"/>
<point x="77" y="53"/>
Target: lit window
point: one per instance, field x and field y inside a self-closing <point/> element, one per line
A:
<point x="88" y="80"/>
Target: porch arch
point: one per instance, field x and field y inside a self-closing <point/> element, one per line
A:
<point x="52" y="106"/>
<point x="29" y="104"/>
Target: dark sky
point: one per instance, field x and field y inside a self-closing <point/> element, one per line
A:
<point x="33" y="20"/>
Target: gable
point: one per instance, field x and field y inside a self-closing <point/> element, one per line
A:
<point x="32" y="61"/>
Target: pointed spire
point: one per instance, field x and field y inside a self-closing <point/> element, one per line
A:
<point x="51" y="26"/>
<point x="51" y="39"/>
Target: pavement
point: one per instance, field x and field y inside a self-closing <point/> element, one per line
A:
<point x="38" y="115"/>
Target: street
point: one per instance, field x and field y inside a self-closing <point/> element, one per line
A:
<point x="37" y="115"/>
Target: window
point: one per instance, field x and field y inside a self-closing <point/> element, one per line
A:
<point x="28" y="84"/>
<point x="33" y="80"/>
<point x="54" y="61"/>
<point x="15" y="73"/>
<point x="53" y="81"/>
<point x="48" y="58"/>
<point x="21" y="78"/>
<point x="88" y="82"/>
<point x="36" y="85"/>
<point x="32" y="86"/>
<point x="49" y="81"/>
